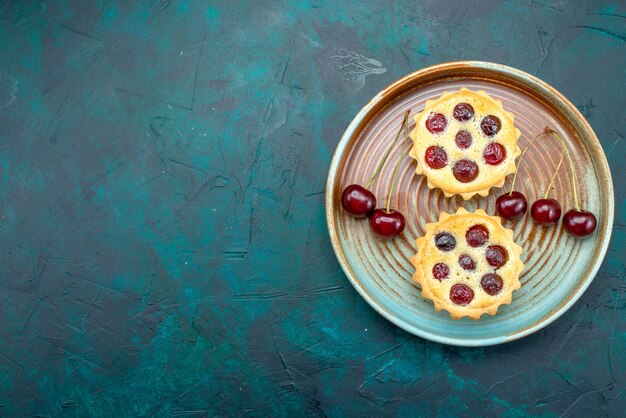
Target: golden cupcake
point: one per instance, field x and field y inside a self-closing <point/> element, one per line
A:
<point x="467" y="264"/>
<point x="465" y="143"/>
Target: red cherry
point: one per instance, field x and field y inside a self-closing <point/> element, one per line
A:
<point x="546" y="211"/>
<point x="466" y="262"/>
<point x="436" y="157"/>
<point x="436" y="123"/>
<point x="358" y="201"/>
<point x="496" y="256"/>
<point x="477" y="235"/>
<point x="494" y="153"/>
<point x="445" y="241"/>
<point x="491" y="283"/>
<point x="461" y="294"/>
<point x="490" y="125"/>
<point x="579" y="223"/>
<point x="463" y="139"/>
<point x="440" y="271"/>
<point x="465" y="170"/>
<point x="463" y="112"/>
<point x="511" y="206"/>
<point x="387" y="224"/>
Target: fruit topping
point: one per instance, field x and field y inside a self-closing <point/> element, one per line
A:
<point x="461" y="294"/>
<point x="490" y="125"/>
<point x="436" y="157"/>
<point x="463" y="112"/>
<point x="445" y="241"/>
<point x="496" y="256"/>
<point x="494" y="153"/>
<point x="466" y="262"/>
<point x="436" y="123"/>
<point x="477" y="235"/>
<point x="463" y="139"/>
<point x="440" y="271"/>
<point x="465" y="170"/>
<point x="491" y="283"/>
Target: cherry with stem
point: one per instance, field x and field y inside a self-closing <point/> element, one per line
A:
<point x="359" y="201"/>
<point x="548" y="211"/>
<point x="388" y="223"/>
<point x="513" y="205"/>
<point x="576" y="222"/>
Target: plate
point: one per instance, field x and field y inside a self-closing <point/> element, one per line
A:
<point x="558" y="269"/>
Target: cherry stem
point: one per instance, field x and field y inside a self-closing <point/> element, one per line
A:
<point x="405" y="125"/>
<point x="554" y="174"/>
<point x="380" y="165"/>
<point x="571" y="163"/>
<point x="520" y="160"/>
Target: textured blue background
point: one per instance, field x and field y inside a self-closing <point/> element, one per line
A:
<point x="163" y="245"/>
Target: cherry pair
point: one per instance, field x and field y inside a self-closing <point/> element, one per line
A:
<point x="361" y="202"/>
<point x="576" y="222"/>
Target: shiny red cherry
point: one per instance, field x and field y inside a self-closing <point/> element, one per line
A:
<point x="494" y="153"/>
<point x="477" y="235"/>
<point x="463" y="139"/>
<point x="358" y="201"/>
<point x="465" y="170"/>
<point x="441" y="271"/>
<point x="511" y="206"/>
<point x="490" y="125"/>
<point x="461" y="294"/>
<point x="491" y="283"/>
<point x="463" y="112"/>
<point x="436" y="157"/>
<point x="579" y="223"/>
<point x="546" y="211"/>
<point x="436" y="123"/>
<point x="466" y="262"/>
<point x="496" y="256"/>
<point x="387" y="224"/>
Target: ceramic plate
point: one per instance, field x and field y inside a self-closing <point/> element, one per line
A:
<point x="558" y="267"/>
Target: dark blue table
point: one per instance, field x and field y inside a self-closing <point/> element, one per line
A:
<point x="163" y="244"/>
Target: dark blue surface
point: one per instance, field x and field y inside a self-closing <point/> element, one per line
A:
<point x="163" y="244"/>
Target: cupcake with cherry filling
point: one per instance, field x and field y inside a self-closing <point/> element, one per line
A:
<point x="465" y="143"/>
<point x="467" y="264"/>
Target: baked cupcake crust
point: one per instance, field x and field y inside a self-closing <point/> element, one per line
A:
<point x="428" y="255"/>
<point x="489" y="175"/>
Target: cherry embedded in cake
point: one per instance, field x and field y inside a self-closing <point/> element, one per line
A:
<point x="436" y="123"/>
<point x="436" y="157"/>
<point x="445" y="241"/>
<point x="496" y="256"/>
<point x="491" y="283"/>
<point x="477" y="235"/>
<point x="465" y="171"/>
<point x="471" y="276"/>
<point x="465" y="143"/>
<point x="494" y="153"/>
<point x="440" y="271"/>
<point x="461" y="294"/>
<point x="490" y="125"/>
<point x="463" y="112"/>
<point x="463" y="139"/>
<point x="466" y="262"/>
